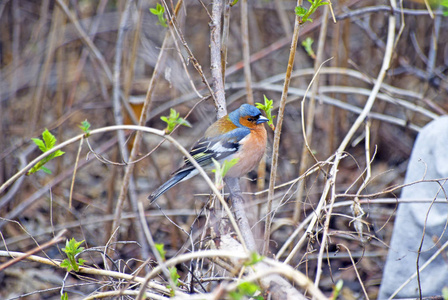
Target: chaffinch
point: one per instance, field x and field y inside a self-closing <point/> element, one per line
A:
<point x="240" y="134"/>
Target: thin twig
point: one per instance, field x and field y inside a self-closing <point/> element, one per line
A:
<point x="87" y="270"/>
<point x="310" y="112"/>
<point x="191" y="56"/>
<point x="155" y="252"/>
<point x="430" y="260"/>
<point x="356" y="271"/>
<point x="75" y="168"/>
<point x="384" y="8"/>
<point x="58" y="238"/>
<point x="278" y="129"/>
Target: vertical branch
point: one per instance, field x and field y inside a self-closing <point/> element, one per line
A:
<point x="246" y="52"/>
<point x="310" y="113"/>
<point x="225" y="38"/>
<point x="240" y="215"/>
<point x="218" y="85"/>
<point x="215" y="59"/>
<point x="278" y="129"/>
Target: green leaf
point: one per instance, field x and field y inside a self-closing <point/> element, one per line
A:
<point x="337" y="289"/>
<point x="445" y="293"/>
<point x="217" y="169"/>
<point x="339" y="284"/>
<point x="57" y="153"/>
<point x="45" y="145"/>
<point x="33" y="170"/>
<point x="267" y="108"/>
<point x="306" y="13"/>
<point x="72" y="249"/>
<point x="173" y="119"/>
<point x="236" y="295"/>
<point x="49" y="139"/>
<point x="183" y="122"/>
<point x="85" y="127"/>
<point x="66" y="264"/>
<point x="173" y="114"/>
<point x="39" y="143"/>
<point x="245" y="289"/>
<point x="158" y="11"/>
<point x="162" y="21"/>
<point x="307" y="44"/>
<point x="161" y="249"/>
<point x="64" y="296"/>
<point x="300" y="11"/>
<point x="221" y="169"/>
<point x="254" y="258"/>
<point x="227" y="165"/>
<point x="174" y="276"/>
<point x="45" y="170"/>
<point x="248" y="288"/>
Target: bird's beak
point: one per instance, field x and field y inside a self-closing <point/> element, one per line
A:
<point x="262" y="119"/>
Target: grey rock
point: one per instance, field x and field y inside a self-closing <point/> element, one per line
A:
<point x="429" y="160"/>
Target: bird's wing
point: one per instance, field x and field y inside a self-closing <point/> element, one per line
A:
<point x="219" y="148"/>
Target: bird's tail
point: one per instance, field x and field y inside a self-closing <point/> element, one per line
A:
<point x="167" y="185"/>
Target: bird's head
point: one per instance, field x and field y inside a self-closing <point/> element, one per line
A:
<point x="247" y="116"/>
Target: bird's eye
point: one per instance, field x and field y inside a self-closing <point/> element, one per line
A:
<point x="250" y="119"/>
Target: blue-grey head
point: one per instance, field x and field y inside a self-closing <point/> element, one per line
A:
<point x="248" y="114"/>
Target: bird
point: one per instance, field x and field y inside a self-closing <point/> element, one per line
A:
<point x="241" y="134"/>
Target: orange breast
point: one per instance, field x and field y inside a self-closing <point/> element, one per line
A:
<point x="251" y="152"/>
